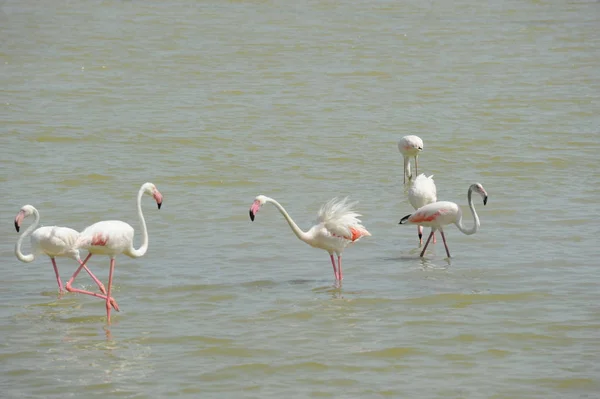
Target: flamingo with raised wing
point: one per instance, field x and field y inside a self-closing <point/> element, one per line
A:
<point x="422" y="191"/>
<point x="338" y="225"/>
<point x="442" y="213"/>
<point x="114" y="237"/>
<point x="410" y="146"/>
<point x="54" y="241"/>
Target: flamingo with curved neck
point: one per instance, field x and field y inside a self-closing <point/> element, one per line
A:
<point x="114" y="237"/>
<point x="338" y="225"/>
<point x="410" y="146"/>
<point x="442" y="213"/>
<point x="53" y="241"/>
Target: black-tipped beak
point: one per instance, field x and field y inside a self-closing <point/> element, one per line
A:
<point x="404" y="219"/>
<point x="249" y="212"/>
<point x="17" y="226"/>
<point x="420" y="148"/>
<point x="159" y="205"/>
<point x="485" y="200"/>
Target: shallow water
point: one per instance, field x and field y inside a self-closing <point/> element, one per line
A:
<point x="218" y="102"/>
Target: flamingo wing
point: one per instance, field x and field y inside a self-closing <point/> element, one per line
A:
<point x="339" y="219"/>
<point x="434" y="214"/>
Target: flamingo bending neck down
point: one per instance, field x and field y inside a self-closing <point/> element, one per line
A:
<point x="114" y="237"/>
<point x="53" y="241"/>
<point x="338" y="225"/>
<point x="442" y="213"/>
<point x="410" y="146"/>
<point x="422" y="191"/>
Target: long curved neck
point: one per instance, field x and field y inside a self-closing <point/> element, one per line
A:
<point x="297" y="231"/>
<point x="476" y="225"/>
<point x="136" y="253"/>
<point x="26" y="233"/>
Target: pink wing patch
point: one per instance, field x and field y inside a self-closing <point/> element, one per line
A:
<point x="99" y="240"/>
<point x="424" y="217"/>
<point x="357" y="233"/>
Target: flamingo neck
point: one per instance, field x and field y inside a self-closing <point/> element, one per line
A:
<point x="476" y="225"/>
<point x="136" y="253"/>
<point x="407" y="171"/>
<point x="26" y="233"/>
<point x="297" y="231"/>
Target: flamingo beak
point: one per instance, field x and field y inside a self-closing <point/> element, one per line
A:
<point x="485" y="200"/>
<point x="19" y="220"/>
<point x="158" y="197"/>
<point x="254" y="209"/>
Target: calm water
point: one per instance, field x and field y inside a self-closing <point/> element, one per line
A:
<point x="216" y="102"/>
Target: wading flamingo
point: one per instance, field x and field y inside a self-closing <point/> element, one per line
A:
<point x="338" y="225"/>
<point x="442" y="213"/>
<point x="114" y="237"/>
<point x="50" y="240"/>
<point x="422" y="191"/>
<point x="410" y="146"/>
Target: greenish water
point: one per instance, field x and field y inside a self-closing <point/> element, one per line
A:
<point x="217" y="102"/>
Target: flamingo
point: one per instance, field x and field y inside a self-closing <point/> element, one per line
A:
<point x="114" y="237"/>
<point x="410" y="146"/>
<point x="53" y="241"/>
<point x="338" y="225"/>
<point x="422" y="191"/>
<point x="439" y="214"/>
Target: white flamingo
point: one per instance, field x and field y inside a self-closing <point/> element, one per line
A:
<point x="422" y="191"/>
<point x="54" y="241"/>
<point x="442" y="213"/>
<point x="410" y="146"/>
<point x="114" y="237"/>
<point x="338" y="225"/>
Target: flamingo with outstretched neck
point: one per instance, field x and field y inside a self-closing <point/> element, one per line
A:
<point x="54" y="241"/>
<point x="338" y="225"/>
<point x="114" y="237"/>
<point x="442" y="213"/>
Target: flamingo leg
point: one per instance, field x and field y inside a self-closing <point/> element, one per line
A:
<point x="420" y="234"/>
<point x="434" y="240"/>
<point x="72" y="279"/>
<point x="60" y="284"/>
<point x="334" y="268"/>
<point x="341" y="277"/>
<point x="445" y="245"/>
<point x="98" y="282"/>
<point x="426" y="244"/>
<point x="110" y="278"/>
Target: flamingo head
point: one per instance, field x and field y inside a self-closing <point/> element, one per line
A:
<point x="27" y="210"/>
<point x="410" y="145"/>
<point x="151" y="189"/>
<point x="478" y="188"/>
<point x="258" y="202"/>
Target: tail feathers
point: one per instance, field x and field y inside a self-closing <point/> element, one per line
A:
<point x="405" y="219"/>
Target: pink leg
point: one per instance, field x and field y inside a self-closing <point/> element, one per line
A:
<point x="446" y="245"/>
<point x="98" y="282"/>
<point x="72" y="279"/>
<point x="434" y="240"/>
<point x="334" y="269"/>
<point x="60" y="285"/>
<point x="340" y="267"/>
<point x="420" y="234"/>
<point x="110" y="278"/>
<point x="426" y="244"/>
